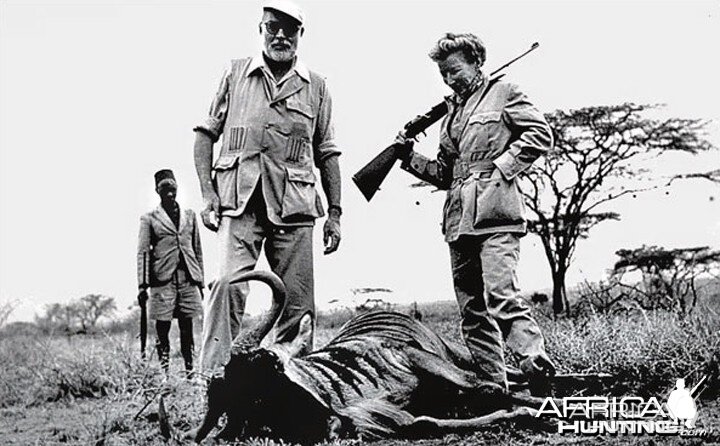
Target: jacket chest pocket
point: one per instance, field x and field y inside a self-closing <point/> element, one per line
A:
<point x="298" y="148"/>
<point x="300" y="200"/>
<point x="288" y="141"/>
<point x="482" y="130"/>
<point x="234" y="139"/>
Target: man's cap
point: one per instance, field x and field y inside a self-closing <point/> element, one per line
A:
<point x="286" y="7"/>
<point x="163" y="174"/>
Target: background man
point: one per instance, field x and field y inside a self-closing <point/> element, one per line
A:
<point x="490" y="134"/>
<point x="170" y="263"/>
<point x="274" y="116"/>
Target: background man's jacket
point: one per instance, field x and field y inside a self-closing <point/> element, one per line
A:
<point x="163" y="245"/>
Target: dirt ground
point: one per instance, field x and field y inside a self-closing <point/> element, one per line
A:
<point x="133" y="420"/>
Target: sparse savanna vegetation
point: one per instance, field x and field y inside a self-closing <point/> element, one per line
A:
<point x="93" y="389"/>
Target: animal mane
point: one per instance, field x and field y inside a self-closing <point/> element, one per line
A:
<point x="388" y="326"/>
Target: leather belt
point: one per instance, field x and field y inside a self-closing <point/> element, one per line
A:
<point x="462" y="169"/>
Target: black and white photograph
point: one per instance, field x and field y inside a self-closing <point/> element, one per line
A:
<point x="276" y="222"/>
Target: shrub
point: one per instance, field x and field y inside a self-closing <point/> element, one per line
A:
<point x="645" y="352"/>
<point x="38" y="369"/>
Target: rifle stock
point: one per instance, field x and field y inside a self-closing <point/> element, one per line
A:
<point x="369" y="178"/>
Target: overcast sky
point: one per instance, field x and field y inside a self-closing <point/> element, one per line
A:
<point x="97" y="96"/>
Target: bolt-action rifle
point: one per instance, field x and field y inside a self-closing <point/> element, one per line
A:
<point x="369" y="178"/>
<point x="143" y="308"/>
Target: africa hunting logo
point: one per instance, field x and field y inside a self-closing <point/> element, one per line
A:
<point x="630" y="415"/>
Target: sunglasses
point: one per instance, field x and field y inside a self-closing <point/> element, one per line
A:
<point x="274" y="27"/>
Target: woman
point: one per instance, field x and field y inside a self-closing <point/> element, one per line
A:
<point x="490" y="134"/>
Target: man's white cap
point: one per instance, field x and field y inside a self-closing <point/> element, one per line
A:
<point x="286" y="7"/>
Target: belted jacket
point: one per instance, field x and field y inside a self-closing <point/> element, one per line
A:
<point x="163" y="248"/>
<point x="485" y="142"/>
<point x="273" y="133"/>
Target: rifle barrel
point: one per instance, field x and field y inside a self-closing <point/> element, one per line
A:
<point x="533" y="47"/>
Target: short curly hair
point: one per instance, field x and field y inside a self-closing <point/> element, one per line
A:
<point x="471" y="46"/>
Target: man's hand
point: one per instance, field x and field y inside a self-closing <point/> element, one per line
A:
<point x="211" y="214"/>
<point x="331" y="231"/>
<point x="142" y="297"/>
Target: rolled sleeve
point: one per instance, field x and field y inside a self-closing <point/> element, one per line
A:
<point x="215" y="121"/>
<point x="324" y="138"/>
<point x="534" y="135"/>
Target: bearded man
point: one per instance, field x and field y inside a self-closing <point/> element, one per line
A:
<point x="274" y="117"/>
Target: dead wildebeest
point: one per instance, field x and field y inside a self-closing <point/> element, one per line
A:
<point x="383" y="375"/>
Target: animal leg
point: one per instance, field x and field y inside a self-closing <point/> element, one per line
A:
<point x="438" y="425"/>
<point x="468" y="381"/>
<point x="520" y="399"/>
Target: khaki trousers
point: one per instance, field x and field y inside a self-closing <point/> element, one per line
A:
<point x="485" y="280"/>
<point x="289" y="253"/>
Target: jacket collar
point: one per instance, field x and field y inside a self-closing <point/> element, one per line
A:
<point x="299" y="68"/>
<point x="167" y="221"/>
<point x="455" y="100"/>
<point x="468" y="105"/>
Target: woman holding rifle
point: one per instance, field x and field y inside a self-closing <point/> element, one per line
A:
<point x="491" y="133"/>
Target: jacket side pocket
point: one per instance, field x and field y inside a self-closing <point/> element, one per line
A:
<point x="226" y="170"/>
<point x="498" y="203"/>
<point x="300" y="200"/>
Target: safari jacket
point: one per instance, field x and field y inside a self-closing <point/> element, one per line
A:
<point x="162" y="247"/>
<point x="485" y="143"/>
<point x="272" y="134"/>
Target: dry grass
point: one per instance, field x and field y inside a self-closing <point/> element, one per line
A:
<point x="645" y="352"/>
<point x="93" y="390"/>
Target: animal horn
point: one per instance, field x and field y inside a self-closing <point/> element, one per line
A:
<point x="165" y="428"/>
<point x="253" y="336"/>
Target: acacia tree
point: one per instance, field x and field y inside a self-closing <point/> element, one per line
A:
<point x="57" y="317"/>
<point x="92" y="307"/>
<point x="6" y="309"/>
<point x="669" y="276"/>
<point x="594" y="162"/>
<point x="79" y="316"/>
